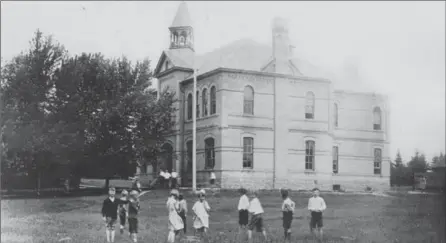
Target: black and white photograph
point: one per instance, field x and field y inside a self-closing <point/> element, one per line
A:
<point x="223" y="122"/>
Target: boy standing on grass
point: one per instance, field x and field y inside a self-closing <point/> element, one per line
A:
<point x="288" y="207"/>
<point x="133" y="214"/>
<point x="243" y="214"/>
<point x="256" y="209"/>
<point x="110" y="213"/>
<point x="123" y="210"/>
<point x="316" y="205"/>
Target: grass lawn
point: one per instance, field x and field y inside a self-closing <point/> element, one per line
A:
<point x="368" y="218"/>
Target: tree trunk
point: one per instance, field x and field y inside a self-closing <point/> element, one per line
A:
<point x="107" y="183"/>
<point x="39" y="175"/>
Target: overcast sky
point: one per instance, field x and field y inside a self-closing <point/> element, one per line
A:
<point x="399" y="47"/>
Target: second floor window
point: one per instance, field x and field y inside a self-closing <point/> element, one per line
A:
<point x="189" y="106"/>
<point x="204" y="102"/>
<point x="213" y="96"/>
<point x="309" y="106"/>
<point x="248" y="100"/>
<point x="377" y="118"/>
<point x="335" y="115"/>
<point x="198" y="104"/>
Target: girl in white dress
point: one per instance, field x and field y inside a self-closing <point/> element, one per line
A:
<point x="175" y="221"/>
<point x="201" y="217"/>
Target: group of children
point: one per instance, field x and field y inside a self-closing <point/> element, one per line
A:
<point x="127" y="207"/>
<point x="316" y="205"/>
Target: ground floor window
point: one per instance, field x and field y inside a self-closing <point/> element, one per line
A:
<point x="335" y="160"/>
<point x="377" y="161"/>
<point x="248" y="155"/>
<point x="309" y="155"/>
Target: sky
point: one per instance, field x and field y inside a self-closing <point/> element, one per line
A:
<point x="397" y="48"/>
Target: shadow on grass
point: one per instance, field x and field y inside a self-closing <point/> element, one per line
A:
<point x="55" y="194"/>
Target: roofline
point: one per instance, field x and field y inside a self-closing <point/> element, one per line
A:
<point x="232" y="70"/>
<point x="360" y="93"/>
<point x="171" y="70"/>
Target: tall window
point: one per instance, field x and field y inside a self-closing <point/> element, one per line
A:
<point x="248" y="100"/>
<point x="248" y="154"/>
<point x="309" y="155"/>
<point x="335" y="114"/>
<point x="210" y="153"/>
<point x="213" y="100"/>
<point x="198" y="104"/>
<point x="309" y="106"/>
<point x="335" y="159"/>
<point x="167" y="65"/>
<point x="377" y="118"/>
<point x="204" y="102"/>
<point x="377" y="162"/>
<point x="189" y="107"/>
<point x="189" y="152"/>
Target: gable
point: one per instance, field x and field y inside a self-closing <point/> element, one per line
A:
<point x="161" y="65"/>
<point x="270" y="67"/>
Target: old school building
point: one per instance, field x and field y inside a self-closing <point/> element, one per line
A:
<point x="266" y="120"/>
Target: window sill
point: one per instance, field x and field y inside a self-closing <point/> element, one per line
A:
<point x="335" y="173"/>
<point x="247" y="115"/>
<point x="247" y="169"/>
<point x="203" y="118"/>
<point x="309" y="171"/>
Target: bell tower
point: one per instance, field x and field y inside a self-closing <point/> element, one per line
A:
<point x="181" y="31"/>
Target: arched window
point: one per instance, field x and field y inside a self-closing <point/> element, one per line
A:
<point x="213" y="100"/>
<point x="377" y="118"/>
<point x="204" y="102"/>
<point x="248" y="152"/>
<point x="335" y="114"/>
<point x="309" y="105"/>
<point x="209" y="153"/>
<point x="198" y="104"/>
<point x="248" y="100"/>
<point x="377" y="161"/>
<point x="309" y="155"/>
<point x="189" y="106"/>
<point x="182" y="41"/>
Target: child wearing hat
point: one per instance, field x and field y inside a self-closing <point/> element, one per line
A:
<point x="201" y="213"/>
<point x="175" y="222"/>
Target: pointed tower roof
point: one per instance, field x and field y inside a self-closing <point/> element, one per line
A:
<point x="182" y="18"/>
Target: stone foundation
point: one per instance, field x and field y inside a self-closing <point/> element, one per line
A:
<point x="301" y="181"/>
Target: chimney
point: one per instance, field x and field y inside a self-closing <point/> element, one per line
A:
<point x="281" y="46"/>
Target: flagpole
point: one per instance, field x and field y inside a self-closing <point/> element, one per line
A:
<point x="194" y="134"/>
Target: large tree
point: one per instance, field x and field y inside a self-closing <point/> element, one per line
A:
<point x="95" y="114"/>
<point x="418" y="162"/>
<point x="26" y="87"/>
